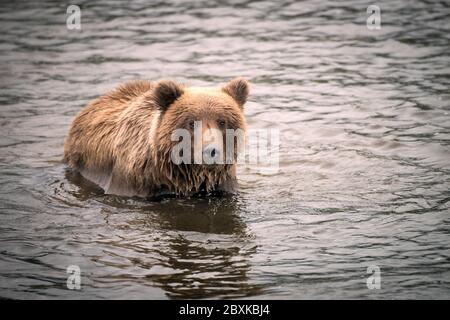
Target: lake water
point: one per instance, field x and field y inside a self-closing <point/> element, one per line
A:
<point x="364" y="172"/>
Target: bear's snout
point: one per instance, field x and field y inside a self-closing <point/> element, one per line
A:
<point x="212" y="154"/>
<point x="212" y="143"/>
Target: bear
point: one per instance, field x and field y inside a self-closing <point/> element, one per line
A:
<point x="123" y="140"/>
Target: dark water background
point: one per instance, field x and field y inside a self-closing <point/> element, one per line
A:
<point x="364" y="161"/>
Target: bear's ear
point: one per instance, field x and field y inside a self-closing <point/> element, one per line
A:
<point x="238" y="89"/>
<point x="166" y="92"/>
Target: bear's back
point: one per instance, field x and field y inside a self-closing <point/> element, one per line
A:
<point x="94" y="128"/>
<point x="129" y="91"/>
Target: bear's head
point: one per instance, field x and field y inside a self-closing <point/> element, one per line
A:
<point x="199" y="129"/>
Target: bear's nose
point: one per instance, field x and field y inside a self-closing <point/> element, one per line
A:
<point x="211" y="154"/>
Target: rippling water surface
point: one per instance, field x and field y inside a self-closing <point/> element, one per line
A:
<point x="364" y="175"/>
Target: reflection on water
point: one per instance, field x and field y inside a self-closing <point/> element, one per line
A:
<point x="364" y="120"/>
<point x="201" y="262"/>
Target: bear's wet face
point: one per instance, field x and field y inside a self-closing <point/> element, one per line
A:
<point x="208" y="115"/>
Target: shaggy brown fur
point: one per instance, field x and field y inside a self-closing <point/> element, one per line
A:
<point x="122" y="140"/>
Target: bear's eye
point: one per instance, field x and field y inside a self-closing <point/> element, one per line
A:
<point x="221" y="123"/>
<point x="192" y="124"/>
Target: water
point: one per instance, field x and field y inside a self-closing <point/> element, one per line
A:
<point x="364" y="174"/>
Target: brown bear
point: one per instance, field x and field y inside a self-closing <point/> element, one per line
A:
<point x="123" y="142"/>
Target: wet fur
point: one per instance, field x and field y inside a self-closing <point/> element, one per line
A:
<point x="121" y="141"/>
